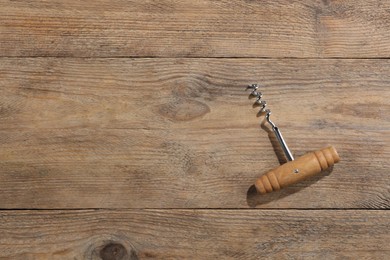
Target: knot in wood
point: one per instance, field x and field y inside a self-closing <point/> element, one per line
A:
<point x="115" y="251"/>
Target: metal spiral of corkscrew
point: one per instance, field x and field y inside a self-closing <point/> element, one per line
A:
<point x="254" y="92"/>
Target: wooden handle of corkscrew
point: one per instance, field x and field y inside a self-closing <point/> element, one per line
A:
<point x="295" y="171"/>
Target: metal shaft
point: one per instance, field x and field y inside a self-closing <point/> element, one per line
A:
<point x="282" y="143"/>
<point x="280" y="138"/>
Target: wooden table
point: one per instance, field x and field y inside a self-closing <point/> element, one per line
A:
<point x="126" y="131"/>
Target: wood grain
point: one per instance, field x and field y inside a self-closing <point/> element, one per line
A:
<point x="126" y="133"/>
<point x="195" y="234"/>
<point x="172" y="28"/>
<point x="181" y="133"/>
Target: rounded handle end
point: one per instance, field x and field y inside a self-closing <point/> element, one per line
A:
<point x="327" y="157"/>
<point x="267" y="183"/>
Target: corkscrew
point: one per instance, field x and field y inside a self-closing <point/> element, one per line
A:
<point x="293" y="171"/>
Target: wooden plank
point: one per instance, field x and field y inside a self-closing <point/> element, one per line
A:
<point x="171" y="28"/>
<point x="195" y="234"/>
<point x="181" y="133"/>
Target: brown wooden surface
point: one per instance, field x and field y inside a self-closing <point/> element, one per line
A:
<point x="195" y="234"/>
<point x="126" y="133"/>
<point x="117" y="28"/>
<point x="179" y="133"/>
